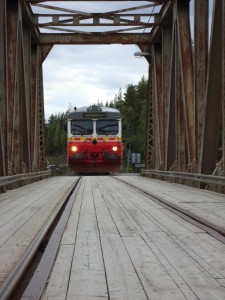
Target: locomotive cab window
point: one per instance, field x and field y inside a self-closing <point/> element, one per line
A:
<point x="81" y="127"/>
<point x="107" y="127"/>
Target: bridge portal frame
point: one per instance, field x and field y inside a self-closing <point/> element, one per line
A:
<point x="186" y="94"/>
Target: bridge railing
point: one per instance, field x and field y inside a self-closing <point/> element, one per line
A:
<point x="21" y="179"/>
<point x="210" y="182"/>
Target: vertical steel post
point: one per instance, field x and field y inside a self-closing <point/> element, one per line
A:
<point x="166" y="74"/>
<point x="41" y="121"/>
<point x="3" y="89"/>
<point x="223" y="85"/>
<point x="170" y="113"/>
<point x="181" y="155"/>
<point x="150" y="122"/>
<point x="12" y="47"/>
<point x="158" y="106"/>
<point x="27" y="97"/>
<point x="201" y="66"/>
<point x="34" y="137"/>
<point x="186" y="63"/>
<point x="213" y="94"/>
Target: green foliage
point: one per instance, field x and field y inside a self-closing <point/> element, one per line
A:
<point x="56" y="135"/>
<point x="133" y="106"/>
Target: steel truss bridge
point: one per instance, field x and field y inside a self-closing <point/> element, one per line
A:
<point x="185" y="49"/>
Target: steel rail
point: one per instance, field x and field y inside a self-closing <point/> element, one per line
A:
<point x="19" y="177"/>
<point x="38" y="282"/>
<point x="210" y="228"/>
<point x="9" y="285"/>
<point x="210" y="179"/>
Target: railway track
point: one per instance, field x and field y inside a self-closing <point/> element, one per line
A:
<point x="30" y="275"/>
<point x="29" y="278"/>
<point x="210" y="228"/>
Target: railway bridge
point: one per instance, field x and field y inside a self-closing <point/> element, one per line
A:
<point x="122" y="236"/>
<point x="183" y="42"/>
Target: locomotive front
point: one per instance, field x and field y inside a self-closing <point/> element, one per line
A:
<point x="94" y="140"/>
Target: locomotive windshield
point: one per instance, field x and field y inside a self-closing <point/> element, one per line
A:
<point x="107" y="127"/>
<point x="82" y="127"/>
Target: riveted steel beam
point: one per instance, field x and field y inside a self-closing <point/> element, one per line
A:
<point x="39" y="1"/>
<point x="150" y="157"/>
<point x="181" y="155"/>
<point x="223" y="85"/>
<point x="158" y="107"/>
<point x="94" y="39"/>
<point x="201" y="67"/>
<point x="170" y="156"/>
<point x="25" y="97"/>
<point x="166" y="74"/>
<point x="213" y="94"/>
<point x="186" y="63"/>
<point x="34" y="106"/>
<point x="13" y="56"/>
<point x="3" y="89"/>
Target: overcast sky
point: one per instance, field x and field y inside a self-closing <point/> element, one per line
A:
<point x="82" y="75"/>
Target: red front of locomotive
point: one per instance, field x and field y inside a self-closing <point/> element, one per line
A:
<point x="94" y="140"/>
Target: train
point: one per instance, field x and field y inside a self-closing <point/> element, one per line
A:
<point x="94" y="140"/>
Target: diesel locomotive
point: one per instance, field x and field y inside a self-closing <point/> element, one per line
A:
<point x="94" y="140"/>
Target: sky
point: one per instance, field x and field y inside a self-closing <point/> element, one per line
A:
<point x="82" y="75"/>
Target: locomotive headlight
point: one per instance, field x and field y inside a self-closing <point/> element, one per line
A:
<point x="74" y="148"/>
<point x="114" y="148"/>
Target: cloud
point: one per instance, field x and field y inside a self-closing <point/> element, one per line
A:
<point x="82" y="75"/>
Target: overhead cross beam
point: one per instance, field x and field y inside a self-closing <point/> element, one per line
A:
<point x="70" y="25"/>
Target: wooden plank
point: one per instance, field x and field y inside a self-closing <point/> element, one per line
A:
<point x="176" y="228"/>
<point x="123" y="224"/>
<point x="59" y="279"/>
<point x="14" y="224"/>
<point x="200" y="281"/>
<point x="58" y="283"/>
<point x="156" y="281"/>
<point x="128" y="247"/>
<point x="149" y="216"/>
<point x="198" y="258"/>
<point x="123" y="282"/>
<point x="35" y="216"/>
<point x="69" y="235"/>
<point x="105" y="222"/>
<point x="87" y="202"/>
<point x="176" y="277"/>
<point x="205" y="204"/>
<point x="21" y="196"/>
<point x="87" y="279"/>
<point x="206" y="250"/>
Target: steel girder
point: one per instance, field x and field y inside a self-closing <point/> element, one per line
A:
<point x="27" y="37"/>
<point x="189" y="118"/>
<point x="186" y="99"/>
<point x="213" y="95"/>
<point x="22" y="136"/>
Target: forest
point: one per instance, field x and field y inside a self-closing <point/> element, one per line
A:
<point x="132" y="104"/>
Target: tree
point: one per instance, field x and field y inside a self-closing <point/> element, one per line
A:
<point x="133" y="110"/>
<point x="56" y="135"/>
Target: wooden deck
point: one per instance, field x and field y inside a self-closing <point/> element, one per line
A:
<point x="119" y="244"/>
<point x="23" y="212"/>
